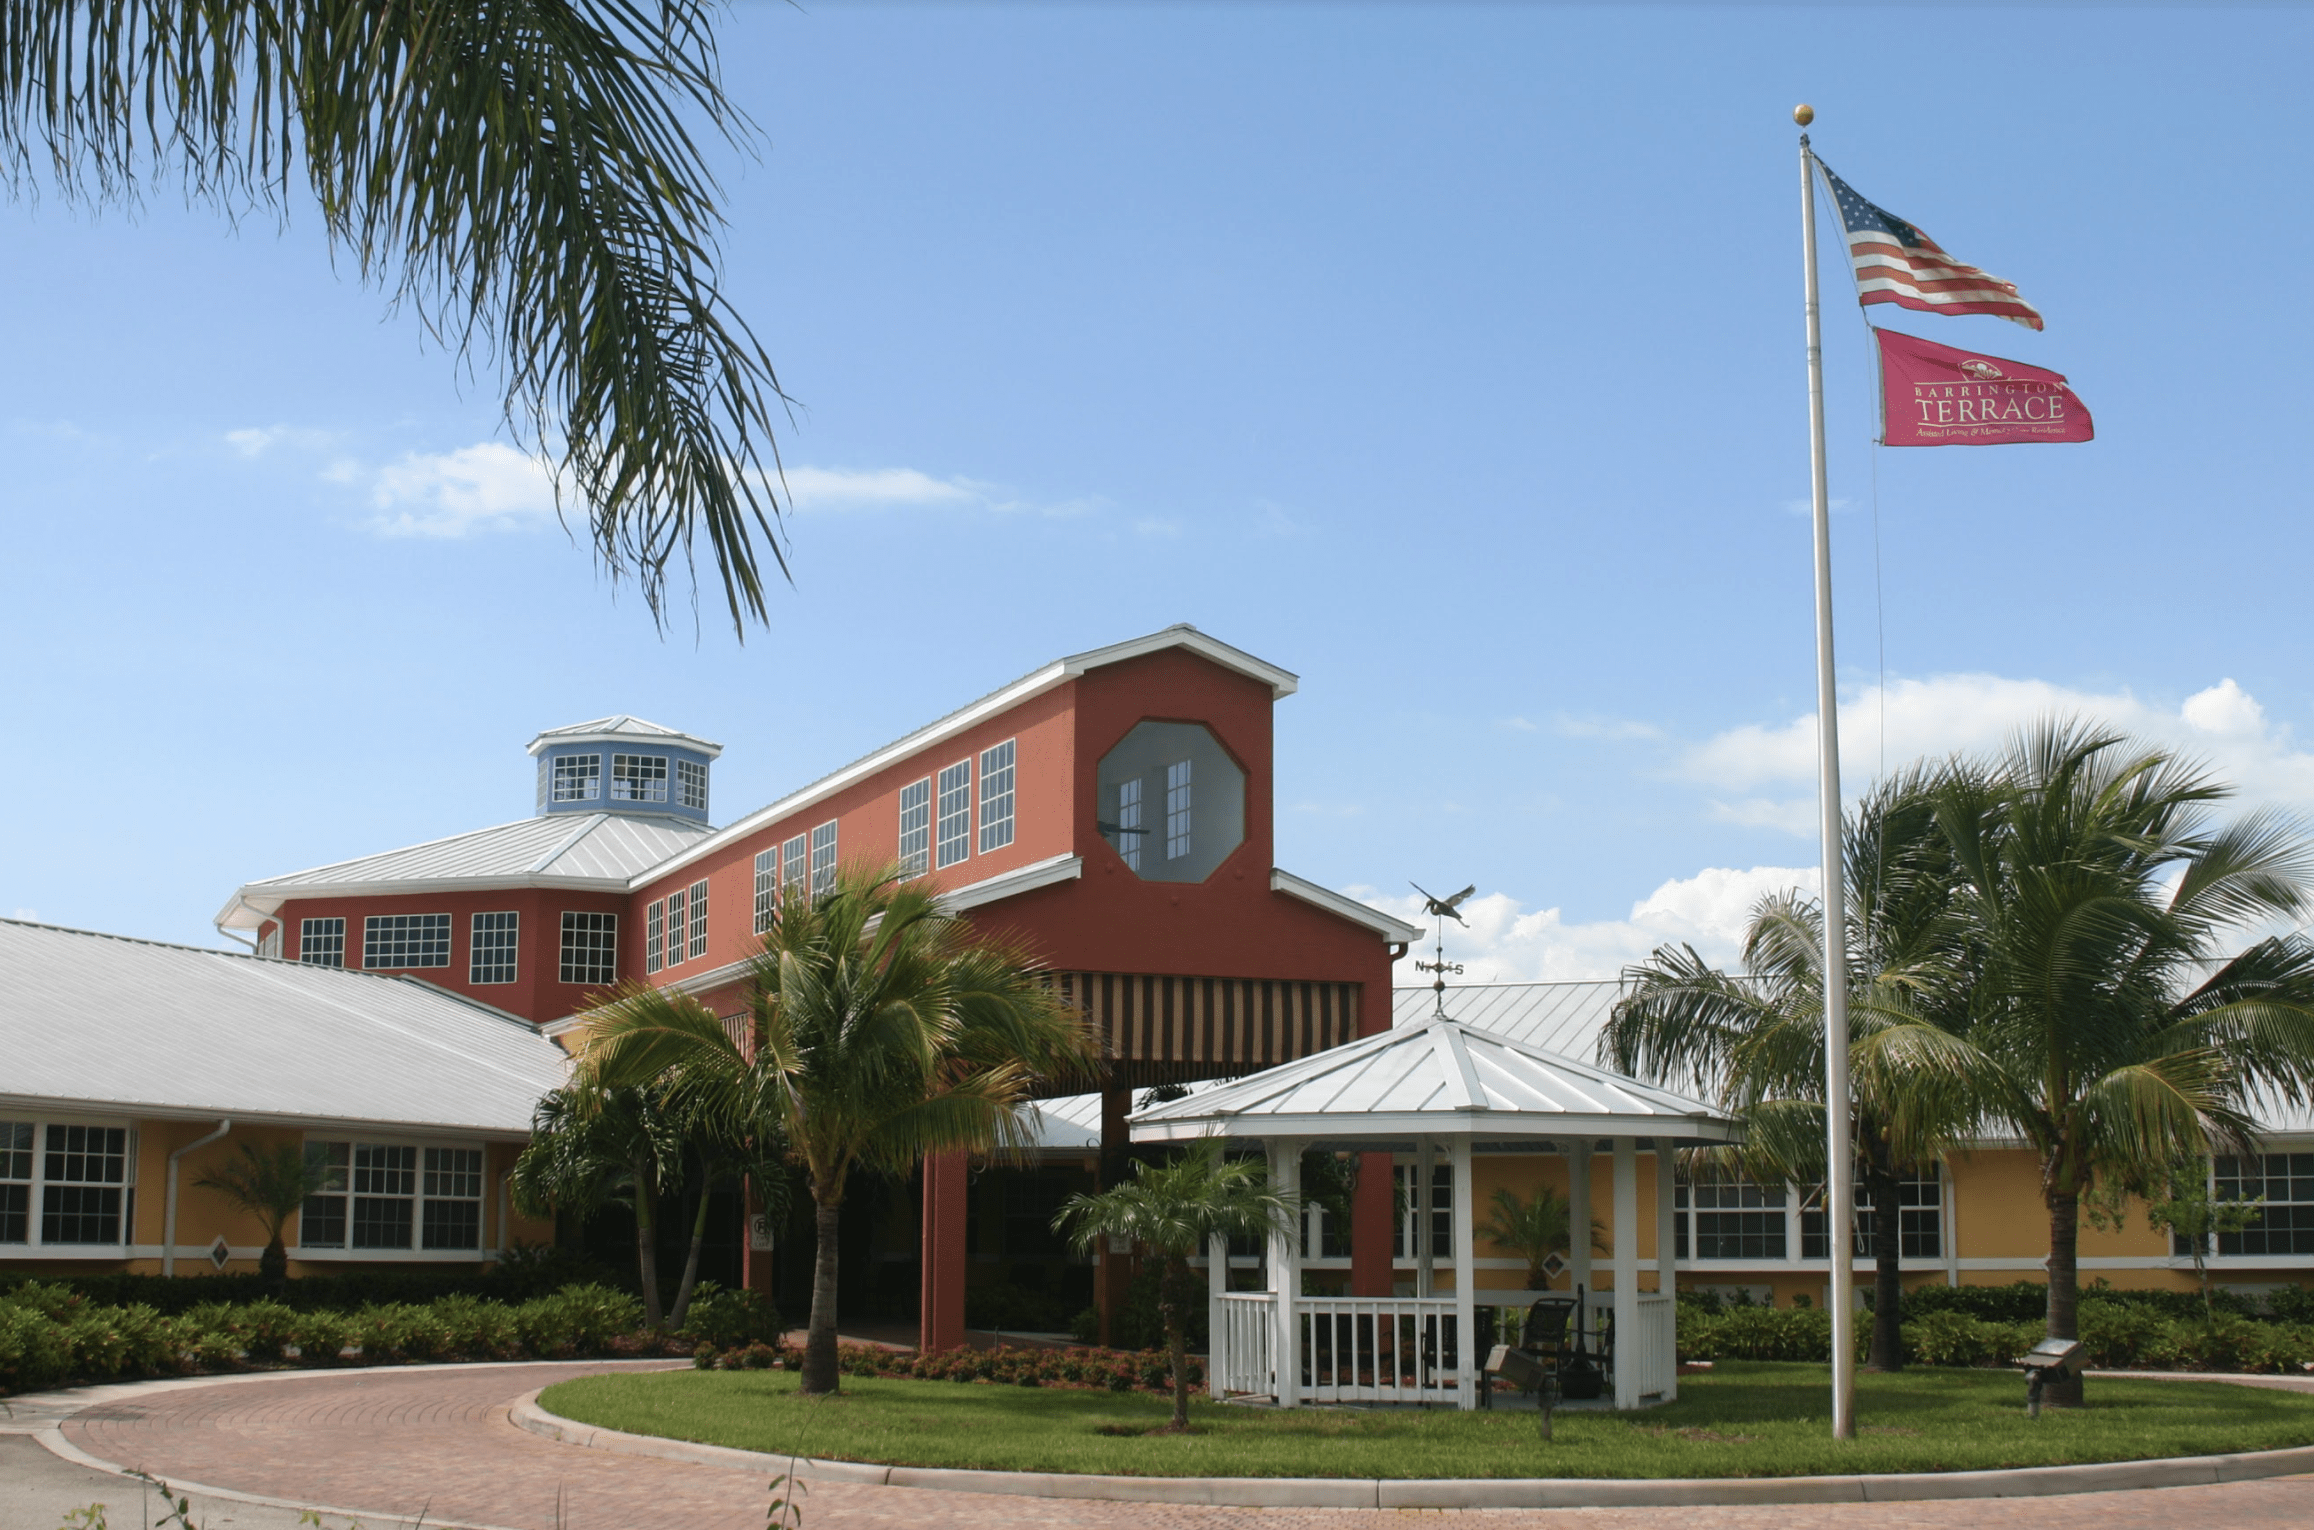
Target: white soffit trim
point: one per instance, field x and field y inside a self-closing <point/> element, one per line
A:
<point x="1396" y="931"/>
<point x="1011" y="884"/>
<point x="1281" y="683"/>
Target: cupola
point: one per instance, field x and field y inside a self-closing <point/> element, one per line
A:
<point x="623" y="765"/>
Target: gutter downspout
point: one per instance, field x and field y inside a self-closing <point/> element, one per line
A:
<point x="169" y="1207"/>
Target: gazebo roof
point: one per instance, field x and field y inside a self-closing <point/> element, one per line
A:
<point x="1438" y="1078"/>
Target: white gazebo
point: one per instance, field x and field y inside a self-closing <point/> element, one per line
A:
<point x="1415" y="1089"/>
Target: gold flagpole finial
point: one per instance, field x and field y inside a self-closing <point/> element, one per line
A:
<point x="1803" y="114"/>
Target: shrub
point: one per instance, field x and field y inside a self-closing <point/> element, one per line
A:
<point x="1956" y="1338"/>
<point x="478" y="1330"/>
<point x="727" y="1318"/>
<point x="1756" y="1333"/>
<point x="260" y="1330"/>
<point x="703" y="1357"/>
<point x="34" y="1352"/>
<point x="321" y="1337"/>
<point x="577" y="1320"/>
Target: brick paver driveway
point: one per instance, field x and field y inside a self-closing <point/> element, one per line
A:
<point x="438" y="1441"/>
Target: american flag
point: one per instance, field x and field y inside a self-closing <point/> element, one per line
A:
<point x="1897" y="263"/>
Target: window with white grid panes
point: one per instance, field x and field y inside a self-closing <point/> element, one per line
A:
<point x="698" y="920"/>
<point x="2285" y="1223"/>
<point x="996" y="796"/>
<point x="578" y="777"/>
<point x="452" y="1214"/>
<point x="638" y="778"/>
<point x="766" y="888"/>
<point x="1441" y="1210"/>
<point x="794" y="866"/>
<point x="391" y="941"/>
<point x="385" y="1195"/>
<point x="955" y="836"/>
<point x="15" y="1181"/>
<point x="824" y="859"/>
<point x="1730" y="1218"/>
<point x="590" y="949"/>
<point x="654" y="934"/>
<point x="85" y="1176"/>
<point x="321" y="942"/>
<point x="1128" y="832"/>
<point x="322" y="1222"/>
<point x="916" y="828"/>
<point x="678" y="912"/>
<point x="691" y="784"/>
<point x="490" y="946"/>
<point x="1919" y="1220"/>
<point x="269" y="943"/>
<point x="1178" y="806"/>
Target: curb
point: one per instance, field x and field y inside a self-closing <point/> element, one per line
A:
<point x="1452" y="1492"/>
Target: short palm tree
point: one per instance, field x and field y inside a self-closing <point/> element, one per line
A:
<point x="2110" y="1033"/>
<point x="879" y="1029"/>
<point x="594" y="1145"/>
<point x="1536" y="1228"/>
<point x="271" y="1184"/>
<point x="1173" y="1210"/>
<point x="523" y="173"/>
<point x="1756" y="1042"/>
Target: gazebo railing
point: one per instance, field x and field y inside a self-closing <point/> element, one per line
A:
<point x="1378" y="1349"/>
<point x="1247" y="1351"/>
<point x="1651" y="1349"/>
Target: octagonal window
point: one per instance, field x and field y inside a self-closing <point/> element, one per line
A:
<point x="1172" y="801"/>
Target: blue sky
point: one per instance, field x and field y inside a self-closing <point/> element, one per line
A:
<point x="1449" y="357"/>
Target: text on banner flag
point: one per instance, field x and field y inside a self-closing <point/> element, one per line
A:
<point x="1934" y="395"/>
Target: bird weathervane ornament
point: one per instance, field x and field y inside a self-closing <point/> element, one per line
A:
<point x="1442" y="909"/>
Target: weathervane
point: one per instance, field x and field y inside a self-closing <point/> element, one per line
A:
<point x="1442" y="909"/>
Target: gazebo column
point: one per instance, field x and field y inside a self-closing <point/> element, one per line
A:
<point x="1285" y="1264"/>
<point x="1579" y="1213"/>
<point x="1666" y="1216"/>
<point x="1425" y="1256"/>
<point x="1216" y="1324"/>
<point x="1626" y="1246"/>
<point x="1465" y="1278"/>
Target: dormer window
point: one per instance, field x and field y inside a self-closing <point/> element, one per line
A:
<point x="578" y="777"/>
<point x="638" y="778"/>
<point x="691" y="784"/>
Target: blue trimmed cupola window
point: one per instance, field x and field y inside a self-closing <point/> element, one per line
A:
<point x="623" y="765"/>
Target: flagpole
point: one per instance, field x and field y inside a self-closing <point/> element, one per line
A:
<point x="1839" y="1167"/>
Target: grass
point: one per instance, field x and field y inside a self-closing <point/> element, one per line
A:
<point x="1753" y="1419"/>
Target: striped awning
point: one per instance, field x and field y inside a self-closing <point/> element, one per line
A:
<point x="1168" y="1030"/>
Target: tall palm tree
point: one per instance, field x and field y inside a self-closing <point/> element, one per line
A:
<point x="271" y="1184"/>
<point x="879" y="1029"/>
<point x="1173" y="1210"/>
<point x="2109" y="1033"/>
<point x="1756" y="1042"/>
<point x="523" y="173"/>
<point x="594" y="1145"/>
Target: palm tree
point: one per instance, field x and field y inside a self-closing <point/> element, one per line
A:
<point x="271" y="1184"/>
<point x="2109" y="1033"/>
<point x="1756" y="1042"/>
<point x="1173" y="1210"/>
<point x="594" y="1145"/>
<point x="879" y="1029"/>
<point x="523" y="174"/>
<point x="1536" y="1229"/>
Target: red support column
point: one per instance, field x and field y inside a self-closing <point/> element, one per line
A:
<point x="1114" y="1272"/>
<point x="755" y="1268"/>
<point x="1373" y="1240"/>
<point x="940" y="1321"/>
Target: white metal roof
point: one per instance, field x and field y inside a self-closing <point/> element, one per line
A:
<point x="622" y="730"/>
<point x="1438" y="1078"/>
<point x="1565" y="1018"/>
<point x="603" y="851"/>
<point x="109" y="1025"/>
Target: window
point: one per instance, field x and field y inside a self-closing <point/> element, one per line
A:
<point x="1127" y="832"/>
<point x="1441" y="1210"/>
<point x="996" y="797"/>
<point x="766" y="888"/>
<point x="578" y="778"/>
<point x="269" y="943"/>
<point x="824" y="859"/>
<point x="15" y="1181"/>
<point x="677" y="913"/>
<point x="792" y="862"/>
<point x="1733" y="1219"/>
<point x="453" y="1216"/>
<point x="2285" y="1224"/>
<point x="691" y="785"/>
<point x="916" y="828"/>
<point x="385" y="1192"/>
<point x="321" y="942"/>
<point x="654" y="935"/>
<point x="1177" y="810"/>
<point x="490" y="948"/>
<point x="322" y="1223"/>
<point x="1919" y="1217"/>
<point x="698" y="920"/>
<point x="1031" y="1201"/>
<point x="590" y="949"/>
<point x="84" y="1181"/>
<point x="638" y="778"/>
<point x="955" y="812"/>
<point x="406" y="940"/>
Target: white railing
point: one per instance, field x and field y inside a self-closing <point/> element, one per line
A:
<point x="1244" y="1359"/>
<point x="1651" y="1350"/>
<point x="1378" y="1349"/>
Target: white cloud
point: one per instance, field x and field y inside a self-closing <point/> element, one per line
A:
<point x="28" y="915"/>
<point x="1504" y="943"/>
<point x="813" y="490"/>
<point x="2222" y="726"/>
<point x="485" y="487"/>
<point x="256" y="441"/>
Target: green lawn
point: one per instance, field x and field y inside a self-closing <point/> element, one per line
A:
<point x="1742" y="1420"/>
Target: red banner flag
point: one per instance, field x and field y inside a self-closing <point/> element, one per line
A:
<point x="1934" y="395"/>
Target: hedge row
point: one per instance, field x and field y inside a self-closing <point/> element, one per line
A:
<point x="50" y="1333"/>
<point x="2115" y="1335"/>
<point x="1114" y="1370"/>
<point x="524" y="1273"/>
